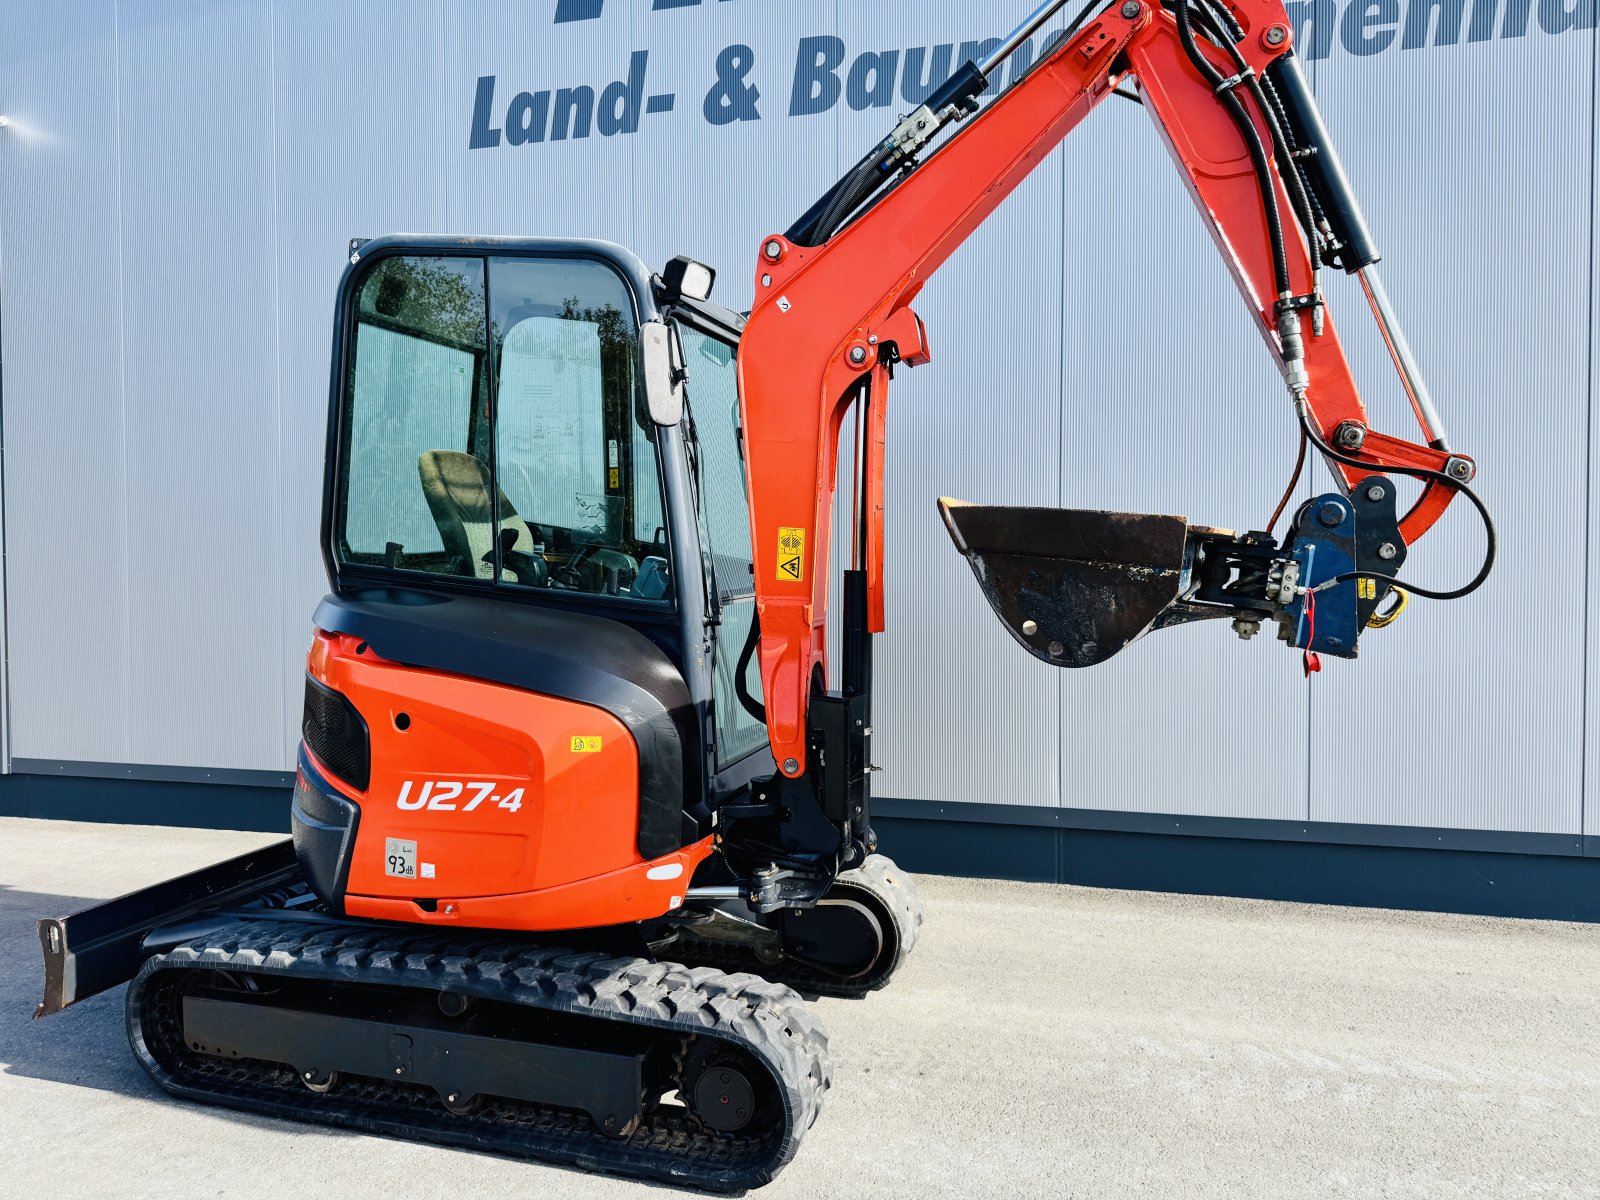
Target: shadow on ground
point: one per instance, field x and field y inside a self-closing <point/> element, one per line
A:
<point x="85" y="1045"/>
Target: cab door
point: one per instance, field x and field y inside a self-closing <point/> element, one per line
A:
<point x="492" y="434"/>
<point x="722" y="506"/>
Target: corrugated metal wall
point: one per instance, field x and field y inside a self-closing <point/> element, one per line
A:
<point x="180" y="179"/>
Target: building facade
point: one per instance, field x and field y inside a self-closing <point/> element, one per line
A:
<point x="179" y="181"/>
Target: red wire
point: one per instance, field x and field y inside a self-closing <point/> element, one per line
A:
<point x="1312" y="660"/>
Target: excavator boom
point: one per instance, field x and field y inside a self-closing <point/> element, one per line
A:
<point x="832" y="319"/>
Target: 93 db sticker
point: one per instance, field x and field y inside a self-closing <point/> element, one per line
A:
<point x="399" y="858"/>
<point x="791" y="554"/>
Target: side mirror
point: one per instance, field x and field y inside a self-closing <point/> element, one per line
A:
<point x="663" y="378"/>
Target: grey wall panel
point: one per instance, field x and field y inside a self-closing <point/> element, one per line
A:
<point x="200" y="389"/>
<point x="1470" y="714"/>
<point x="1173" y="406"/>
<point x="575" y="186"/>
<point x="1089" y="351"/>
<point x="66" y="503"/>
<point x="360" y="152"/>
<point x="714" y="191"/>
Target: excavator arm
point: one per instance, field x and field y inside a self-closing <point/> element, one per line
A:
<point x="832" y="319"/>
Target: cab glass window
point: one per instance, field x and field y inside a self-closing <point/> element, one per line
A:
<point x="416" y="416"/>
<point x="495" y="429"/>
<point x="576" y="447"/>
<point x="724" y="516"/>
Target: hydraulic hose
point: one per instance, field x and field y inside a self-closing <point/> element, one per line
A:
<point x="1318" y="218"/>
<point x="1252" y="139"/>
<point x="958" y="94"/>
<point x="1416" y="473"/>
<point x="1277" y="122"/>
<point x="1294" y="482"/>
<point x="750" y="704"/>
<point x="822" y="219"/>
<point x="858" y="188"/>
<point x="1309" y="213"/>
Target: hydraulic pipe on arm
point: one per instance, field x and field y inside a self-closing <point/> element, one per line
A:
<point x="832" y="314"/>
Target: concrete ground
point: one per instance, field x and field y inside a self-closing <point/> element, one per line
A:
<point x="1045" y="1041"/>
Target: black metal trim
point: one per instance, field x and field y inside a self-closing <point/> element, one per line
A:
<point x="1487" y="841"/>
<point x="455" y="1064"/>
<point x="98" y="797"/>
<point x="1195" y="855"/>
<point x="1534" y="886"/>
<point x="710" y="319"/>
<point x="100" y="947"/>
<point x="151" y="773"/>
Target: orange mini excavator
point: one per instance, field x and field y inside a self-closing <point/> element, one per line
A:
<point x="582" y="800"/>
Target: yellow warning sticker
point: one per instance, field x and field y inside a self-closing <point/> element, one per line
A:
<point x="791" y="554"/>
<point x="615" y="479"/>
<point x="586" y="745"/>
<point x="1367" y="589"/>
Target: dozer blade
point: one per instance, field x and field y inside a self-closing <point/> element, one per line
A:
<point x="1072" y="586"/>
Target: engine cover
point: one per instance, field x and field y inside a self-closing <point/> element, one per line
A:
<point x="486" y="804"/>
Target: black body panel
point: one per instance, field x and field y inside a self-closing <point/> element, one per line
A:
<point x="337" y="734"/>
<point x="573" y="656"/>
<point x="324" y="825"/>
<point x="454" y="1064"/>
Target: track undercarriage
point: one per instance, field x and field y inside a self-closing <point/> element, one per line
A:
<point x="694" y="1061"/>
<point x="640" y="1068"/>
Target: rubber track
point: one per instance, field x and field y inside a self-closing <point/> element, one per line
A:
<point x="765" y="1019"/>
<point x="894" y="893"/>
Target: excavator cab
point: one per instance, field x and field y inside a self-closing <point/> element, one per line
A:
<point x="524" y="704"/>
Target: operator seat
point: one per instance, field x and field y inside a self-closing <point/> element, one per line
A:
<point x="458" y="492"/>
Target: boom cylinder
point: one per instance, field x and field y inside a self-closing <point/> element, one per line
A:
<point x="1021" y="34"/>
<point x="1328" y="180"/>
<point x="1404" y="361"/>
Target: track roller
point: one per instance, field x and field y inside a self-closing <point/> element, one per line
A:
<point x="850" y="944"/>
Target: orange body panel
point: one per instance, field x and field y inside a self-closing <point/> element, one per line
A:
<point x="524" y="809"/>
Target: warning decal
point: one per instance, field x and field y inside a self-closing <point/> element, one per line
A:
<point x="791" y="554"/>
<point x="586" y="745"/>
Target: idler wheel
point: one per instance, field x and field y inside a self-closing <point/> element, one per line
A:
<point x="724" y="1099"/>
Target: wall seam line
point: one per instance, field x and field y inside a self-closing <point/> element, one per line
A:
<point x="1588" y="473"/>
<point x="1061" y="482"/>
<point x="1309" y="484"/>
<point x="5" y="578"/>
<point x="277" y="354"/>
<point x="122" y="387"/>
<point x="444" y="108"/>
